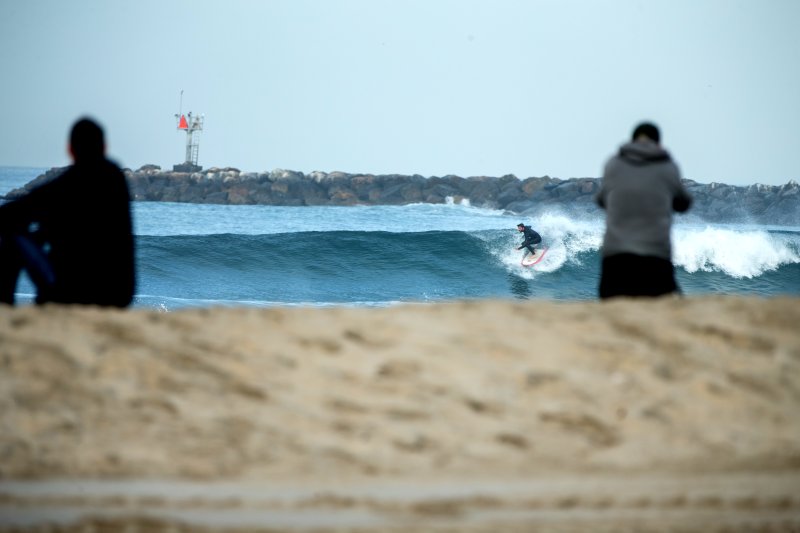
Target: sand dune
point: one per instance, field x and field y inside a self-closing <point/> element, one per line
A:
<point x="671" y="414"/>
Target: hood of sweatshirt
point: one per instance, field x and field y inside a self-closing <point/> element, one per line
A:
<point x="643" y="153"/>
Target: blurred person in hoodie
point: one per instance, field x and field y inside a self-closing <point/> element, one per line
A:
<point x="640" y="190"/>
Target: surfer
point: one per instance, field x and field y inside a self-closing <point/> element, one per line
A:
<point x="531" y="238"/>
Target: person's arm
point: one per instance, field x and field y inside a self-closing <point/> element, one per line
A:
<point x="681" y="200"/>
<point x="601" y="202"/>
<point x="600" y="197"/>
<point x="16" y="215"/>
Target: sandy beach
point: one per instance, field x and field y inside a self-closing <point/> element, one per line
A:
<point x="674" y="414"/>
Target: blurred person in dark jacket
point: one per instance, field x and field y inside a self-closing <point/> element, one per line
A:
<point x="73" y="235"/>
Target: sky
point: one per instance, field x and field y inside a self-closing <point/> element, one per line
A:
<point x="429" y="87"/>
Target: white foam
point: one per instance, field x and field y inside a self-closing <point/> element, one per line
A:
<point x="739" y="253"/>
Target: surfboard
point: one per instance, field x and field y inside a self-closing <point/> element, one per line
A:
<point x="531" y="259"/>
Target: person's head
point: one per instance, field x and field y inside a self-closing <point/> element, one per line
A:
<point x="646" y="130"/>
<point x="86" y="141"/>
<point x="520" y="227"/>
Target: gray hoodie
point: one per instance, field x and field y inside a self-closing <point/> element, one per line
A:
<point x="641" y="188"/>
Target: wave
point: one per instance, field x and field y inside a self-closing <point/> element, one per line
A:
<point x="378" y="268"/>
<point x="735" y="252"/>
<point x="381" y="267"/>
<point x="337" y="267"/>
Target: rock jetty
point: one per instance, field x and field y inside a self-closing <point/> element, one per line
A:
<point x="713" y="202"/>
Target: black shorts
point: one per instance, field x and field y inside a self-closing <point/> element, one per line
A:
<point x="636" y="275"/>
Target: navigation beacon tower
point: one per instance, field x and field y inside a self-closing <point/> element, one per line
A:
<point x="192" y="125"/>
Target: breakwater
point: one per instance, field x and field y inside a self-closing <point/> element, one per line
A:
<point x="713" y="202"/>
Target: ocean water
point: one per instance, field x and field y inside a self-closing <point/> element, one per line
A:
<point x="192" y="255"/>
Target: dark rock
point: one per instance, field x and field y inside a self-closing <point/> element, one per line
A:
<point x="713" y="202"/>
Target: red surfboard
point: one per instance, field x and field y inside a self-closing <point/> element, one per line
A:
<point x="529" y="260"/>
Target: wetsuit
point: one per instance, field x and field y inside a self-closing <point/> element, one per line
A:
<point x="74" y="236"/>
<point x="531" y="238"/>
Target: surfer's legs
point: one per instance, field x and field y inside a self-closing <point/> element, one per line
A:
<point x="532" y="246"/>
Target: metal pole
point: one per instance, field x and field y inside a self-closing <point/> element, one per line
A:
<point x="189" y="139"/>
<point x="189" y="145"/>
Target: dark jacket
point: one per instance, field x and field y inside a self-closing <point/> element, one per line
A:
<point x="84" y="217"/>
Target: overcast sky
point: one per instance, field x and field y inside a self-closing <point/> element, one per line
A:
<point x="430" y="87"/>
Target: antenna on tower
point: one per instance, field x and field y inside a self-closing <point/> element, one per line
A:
<point x="192" y="125"/>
